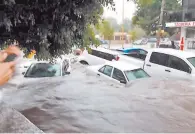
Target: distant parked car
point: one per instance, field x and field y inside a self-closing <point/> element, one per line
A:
<point x="97" y="56"/>
<point x="137" y="42"/>
<point x="137" y="53"/>
<point x="172" y="45"/>
<point x="151" y="42"/>
<point x="120" y="72"/>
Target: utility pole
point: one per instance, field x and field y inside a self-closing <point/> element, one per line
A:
<point x="183" y="29"/>
<point x="162" y="12"/>
<point x="160" y="21"/>
<point x="183" y="11"/>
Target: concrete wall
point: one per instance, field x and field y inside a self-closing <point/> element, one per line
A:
<point x="12" y="121"/>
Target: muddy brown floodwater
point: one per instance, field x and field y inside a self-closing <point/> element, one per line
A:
<point x="80" y="103"/>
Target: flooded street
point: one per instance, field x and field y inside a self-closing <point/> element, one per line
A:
<point x="80" y="103"/>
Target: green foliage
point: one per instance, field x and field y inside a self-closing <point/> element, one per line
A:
<point x="89" y="37"/>
<point x="118" y="27"/>
<point x="106" y="30"/>
<point x="113" y="22"/>
<point x="147" y="14"/>
<point x="143" y="2"/>
<point x="136" y="33"/>
<point x="52" y="27"/>
<point x="127" y="25"/>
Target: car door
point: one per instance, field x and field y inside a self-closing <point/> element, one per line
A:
<point x="105" y="72"/>
<point x="178" y="68"/>
<point x="156" y="66"/>
<point x="119" y="76"/>
<point x="93" y="57"/>
<point x="65" y="67"/>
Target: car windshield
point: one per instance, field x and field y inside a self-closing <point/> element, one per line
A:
<point x="43" y="70"/>
<point x="192" y="60"/>
<point x="136" y="74"/>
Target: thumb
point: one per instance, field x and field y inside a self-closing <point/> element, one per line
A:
<point x="3" y="56"/>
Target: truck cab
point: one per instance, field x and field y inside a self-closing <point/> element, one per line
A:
<point x="165" y="62"/>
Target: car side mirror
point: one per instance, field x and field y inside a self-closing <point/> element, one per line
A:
<point x="123" y="81"/>
<point x="190" y="71"/>
<point x="23" y="73"/>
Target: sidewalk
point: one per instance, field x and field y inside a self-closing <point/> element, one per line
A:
<point x="11" y="121"/>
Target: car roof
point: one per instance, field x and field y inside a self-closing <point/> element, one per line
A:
<point x="129" y="49"/>
<point x="122" y="65"/>
<point x="105" y="50"/>
<point x="37" y="62"/>
<point x="174" y="52"/>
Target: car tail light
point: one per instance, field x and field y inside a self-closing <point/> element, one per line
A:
<point x="117" y="58"/>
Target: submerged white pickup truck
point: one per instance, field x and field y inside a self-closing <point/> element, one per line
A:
<point x="162" y="62"/>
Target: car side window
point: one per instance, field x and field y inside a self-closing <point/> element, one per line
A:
<point x="102" y="69"/>
<point x="109" y="57"/>
<point x="102" y="55"/>
<point x="107" y="70"/>
<point x="177" y="63"/>
<point x="133" y="53"/>
<point x="159" y="58"/>
<point x="118" y="75"/>
<point x="142" y="54"/>
<point x="95" y="53"/>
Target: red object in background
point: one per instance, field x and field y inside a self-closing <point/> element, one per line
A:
<point x="117" y="58"/>
<point x="78" y="52"/>
<point x="182" y="44"/>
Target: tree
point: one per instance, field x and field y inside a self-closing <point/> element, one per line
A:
<point x="136" y="33"/>
<point x="106" y="30"/>
<point x="89" y="37"/>
<point x="147" y="15"/>
<point x="113" y="22"/>
<point x="51" y="27"/>
<point x="127" y="25"/>
<point x="143" y="2"/>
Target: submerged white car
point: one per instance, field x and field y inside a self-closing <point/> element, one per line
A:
<point x="23" y="65"/>
<point x="120" y="72"/>
<point x="47" y="69"/>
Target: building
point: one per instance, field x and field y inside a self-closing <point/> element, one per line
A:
<point x="186" y="21"/>
<point x="120" y="38"/>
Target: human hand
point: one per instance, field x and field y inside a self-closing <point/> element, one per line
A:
<point x="12" y="50"/>
<point x="7" y="68"/>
